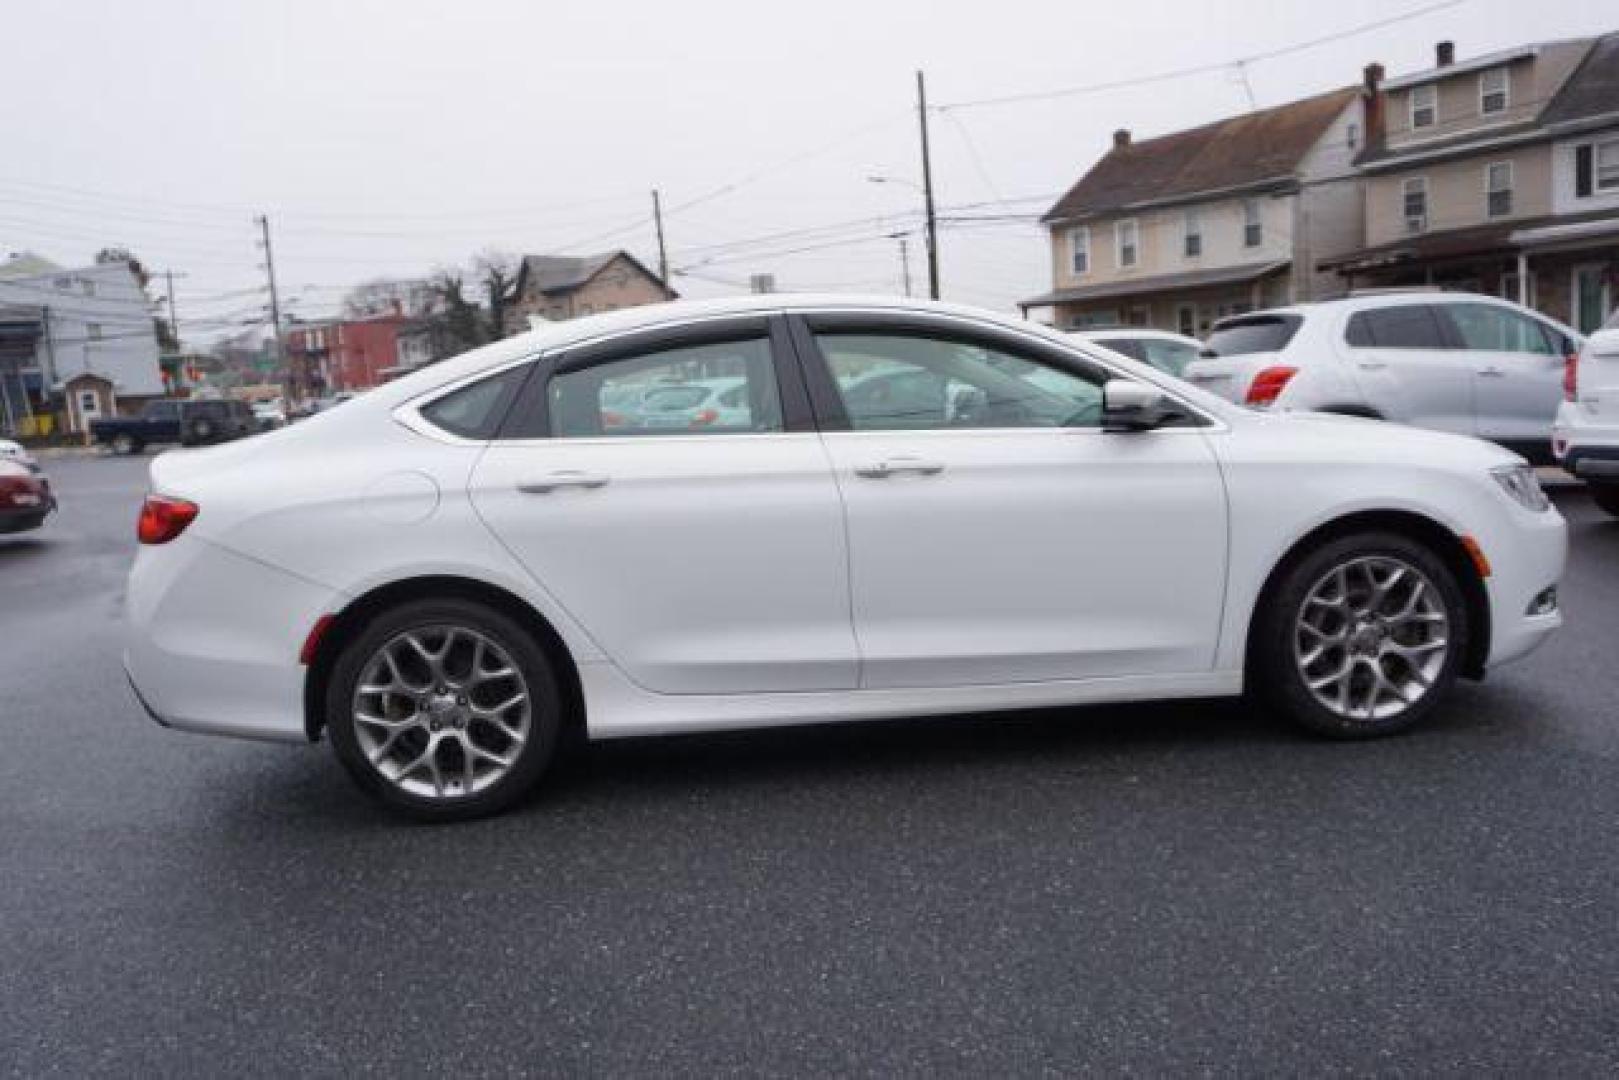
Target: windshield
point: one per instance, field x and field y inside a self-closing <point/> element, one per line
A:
<point x="1253" y="334"/>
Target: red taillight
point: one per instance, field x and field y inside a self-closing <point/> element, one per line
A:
<point x="1267" y="385"/>
<point x="1571" y="377"/>
<point x="704" y="418"/>
<point x="21" y="491"/>
<point x="163" y="518"/>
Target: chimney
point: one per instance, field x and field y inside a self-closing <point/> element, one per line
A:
<point x="1371" y="105"/>
<point x="1444" y="54"/>
<point x="1121" y="138"/>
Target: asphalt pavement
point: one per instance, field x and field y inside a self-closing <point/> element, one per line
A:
<point x="1176" y="888"/>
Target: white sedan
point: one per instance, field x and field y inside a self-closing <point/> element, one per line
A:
<point x="448" y="574"/>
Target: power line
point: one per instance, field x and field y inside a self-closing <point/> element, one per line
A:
<point x="1200" y="69"/>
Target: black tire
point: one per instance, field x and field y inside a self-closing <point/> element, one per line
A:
<point x="1606" y="496"/>
<point x="124" y="443"/>
<point x="202" y="430"/>
<point x="542" y="685"/>
<point x="1274" y="673"/>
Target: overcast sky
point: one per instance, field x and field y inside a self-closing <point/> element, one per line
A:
<point x="389" y="137"/>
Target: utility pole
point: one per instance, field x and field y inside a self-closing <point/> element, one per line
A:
<point x="904" y="260"/>
<point x="927" y="189"/>
<point x="275" y="301"/>
<point x="174" y="319"/>
<point x="663" y="254"/>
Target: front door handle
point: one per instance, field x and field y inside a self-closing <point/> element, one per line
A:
<point x="1374" y="365"/>
<point x="564" y="478"/>
<point x="1492" y="372"/>
<point x="881" y="470"/>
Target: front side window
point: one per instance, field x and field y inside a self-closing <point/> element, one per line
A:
<point x="1192" y="245"/>
<point x="1253" y="226"/>
<point x="1493" y="91"/>
<point x="1079" y="251"/>
<point x="1127" y="235"/>
<point x="1424" y="110"/>
<point x="162" y="410"/>
<point x="721" y="387"/>
<point x="903" y="382"/>
<point x="1498" y="188"/>
<point x="1493" y="329"/>
<point x="1409" y="326"/>
<point x="1414" y="204"/>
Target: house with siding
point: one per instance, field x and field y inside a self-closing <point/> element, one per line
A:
<point x="1177" y="231"/>
<point x="557" y="287"/>
<point x="1497" y="174"/>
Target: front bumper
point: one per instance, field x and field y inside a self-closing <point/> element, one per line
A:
<point x="213" y="639"/>
<point x="1525" y="561"/>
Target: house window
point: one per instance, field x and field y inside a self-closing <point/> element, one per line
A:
<point x="88" y="286"/>
<point x="1079" y="251"/>
<point x="1423" y="107"/>
<point x="1253" y="229"/>
<point x="1193" y="245"/>
<point x="1127" y="236"/>
<point x="1352" y="136"/>
<point x="1596" y="168"/>
<point x="93" y="330"/>
<point x="1414" y="196"/>
<point x="1498" y="188"/>
<point x="1493" y="91"/>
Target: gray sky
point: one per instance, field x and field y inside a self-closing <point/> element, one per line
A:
<point x="385" y="138"/>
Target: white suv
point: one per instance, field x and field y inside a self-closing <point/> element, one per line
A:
<point x="1586" y="435"/>
<point x="1456" y="362"/>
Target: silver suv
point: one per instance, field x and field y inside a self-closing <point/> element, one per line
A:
<point x="1453" y="361"/>
<point x="1586" y="437"/>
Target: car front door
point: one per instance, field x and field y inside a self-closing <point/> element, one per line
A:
<point x="996" y="533"/>
<point x="1517" y="367"/>
<point x="1402" y="359"/>
<point x="705" y="559"/>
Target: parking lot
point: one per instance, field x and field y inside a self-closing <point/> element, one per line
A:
<point x="1144" y="889"/>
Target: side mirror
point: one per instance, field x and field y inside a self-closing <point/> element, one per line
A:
<point x="1128" y="405"/>
<point x="1605" y="343"/>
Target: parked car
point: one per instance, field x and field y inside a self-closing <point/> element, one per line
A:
<point x="269" y="415"/>
<point x="1169" y="353"/>
<point x="1456" y="362"/>
<point x="25" y="497"/>
<point x="1586" y="436"/>
<point x="18" y="453"/>
<point x="187" y="422"/>
<point x="716" y="404"/>
<point x="447" y="575"/>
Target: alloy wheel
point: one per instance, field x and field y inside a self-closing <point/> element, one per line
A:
<point x="442" y="712"/>
<point x="1371" y="638"/>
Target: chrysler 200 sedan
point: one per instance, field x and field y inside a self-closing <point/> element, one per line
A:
<point x="912" y="509"/>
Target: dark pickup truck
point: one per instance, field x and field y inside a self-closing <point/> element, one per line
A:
<point x="189" y="423"/>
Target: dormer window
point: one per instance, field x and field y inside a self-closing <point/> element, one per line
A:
<point x="1424" y="106"/>
<point x="1494" y="91"/>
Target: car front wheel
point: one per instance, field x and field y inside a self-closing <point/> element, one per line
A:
<point x="124" y="444"/>
<point x="444" y="710"/>
<point x="1362" y="637"/>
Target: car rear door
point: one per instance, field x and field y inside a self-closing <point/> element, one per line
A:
<point x="701" y="560"/>
<point x="1517" y="364"/>
<point x="1402" y="358"/>
<point x="1007" y="538"/>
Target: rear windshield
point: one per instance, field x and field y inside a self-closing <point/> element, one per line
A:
<point x="1252" y="334"/>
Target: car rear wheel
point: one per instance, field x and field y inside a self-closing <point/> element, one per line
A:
<point x="1606" y="496"/>
<point x="1362" y="637"/>
<point x="444" y="710"/>
<point x="124" y="443"/>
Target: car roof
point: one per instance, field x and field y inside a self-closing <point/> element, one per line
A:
<point x="1122" y="333"/>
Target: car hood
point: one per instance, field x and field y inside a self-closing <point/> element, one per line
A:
<point x="1360" y="435"/>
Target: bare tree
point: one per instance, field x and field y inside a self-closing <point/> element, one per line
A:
<point x="388" y="296"/>
<point x="497" y="271"/>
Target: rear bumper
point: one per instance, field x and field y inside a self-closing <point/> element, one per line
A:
<point x="213" y="639"/>
<point x="25" y="518"/>
<point x="1586" y="448"/>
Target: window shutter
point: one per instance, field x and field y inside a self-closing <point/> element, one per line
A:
<point x="1582" y="170"/>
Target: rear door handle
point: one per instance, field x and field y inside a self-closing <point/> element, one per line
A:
<point x="563" y="478"/>
<point x="894" y="466"/>
<point x="1492" y="372"/>
<point x="1374" y="365"/>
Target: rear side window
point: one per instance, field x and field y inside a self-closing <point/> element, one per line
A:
<point x="1253" y="334"/>
<point x="475" y="411"/>
<point x="1409" y="326"/>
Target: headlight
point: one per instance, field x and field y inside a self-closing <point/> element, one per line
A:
<point x="1520" y="482"/>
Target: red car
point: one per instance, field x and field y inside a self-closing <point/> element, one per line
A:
<point x="25" y="498"/>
